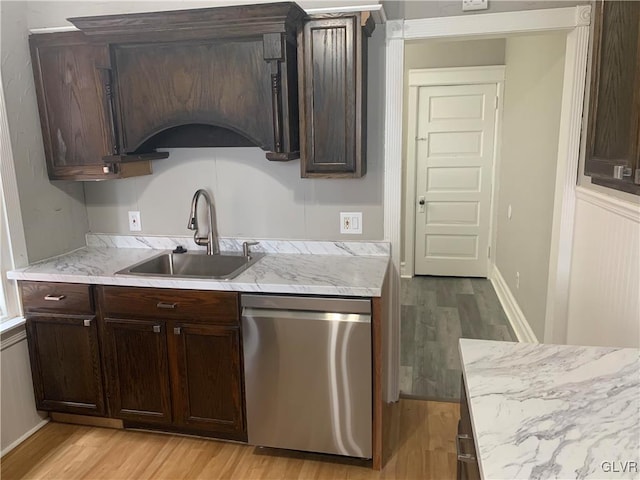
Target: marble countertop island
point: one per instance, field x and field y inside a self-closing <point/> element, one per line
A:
<point x="553" y="411"/>
<point x="312" y="268"/>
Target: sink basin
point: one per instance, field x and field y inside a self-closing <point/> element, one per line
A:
<point x="193" y="265"/>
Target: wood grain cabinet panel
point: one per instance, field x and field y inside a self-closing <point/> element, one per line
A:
<point x="137" y="370"/>
<point x="468" y="468"/>
<point x="71" y="77"/>
<point x="614" y="109"/>
<point x="52" y="297"/>
<point x="194" y="305"/>
<point x="65" y="363"/>
<point x="217" y="84"/>
<point x="207" y="380"/>
<point x="177" y="366"/>
<point x="332" y="95"/>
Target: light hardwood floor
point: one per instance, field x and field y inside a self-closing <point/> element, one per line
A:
<point x="423" y="434"/>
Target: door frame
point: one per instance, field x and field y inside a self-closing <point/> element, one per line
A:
<point x="433" y="77"/>
<point x="575" y="21"/>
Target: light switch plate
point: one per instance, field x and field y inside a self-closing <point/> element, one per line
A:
<point x="474" y="5"/>
<point x="134" y="222"/>
<point x="351" y="223"/>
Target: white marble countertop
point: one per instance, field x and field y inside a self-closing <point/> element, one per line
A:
<point x="347" y="274"/>
<point x="553" y="411"/>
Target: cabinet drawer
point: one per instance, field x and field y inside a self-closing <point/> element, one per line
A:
<point x="194" y="305"/>
<point x="46" y="297"/>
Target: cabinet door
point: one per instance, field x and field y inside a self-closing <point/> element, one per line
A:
<point x="72" y="77"/>
<point x="207" y="380"/>
<point x="72" y="104"/>
<point x="65" y="364"/>
<point x="137" y="370"/>
<point x="332" y="84"/>
<point x="614" y="109"/>
<point x="468" y="468"/>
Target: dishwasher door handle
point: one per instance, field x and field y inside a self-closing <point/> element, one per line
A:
<point x="268" y="313"/>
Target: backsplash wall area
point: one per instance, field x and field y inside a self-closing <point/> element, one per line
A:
<point x="253" y="197"/>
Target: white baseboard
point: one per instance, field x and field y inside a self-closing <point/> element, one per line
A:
<point x="22" y="438"/>
<point x="511" y="308"/>
<point x="403" y="270"/>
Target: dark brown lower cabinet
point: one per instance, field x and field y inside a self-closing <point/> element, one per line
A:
<point x="65" y="363"/>
<point x="137" y="370"/>
<point x="154" y="358"/>
<point x="173" y="360"/>
<point x="207" y="378"/>
<point x="468" y="468"/>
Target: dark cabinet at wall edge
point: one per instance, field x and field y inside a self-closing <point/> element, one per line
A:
<point x="112" y="93"/>
<point x="613" y="134"/>
<point x="332" y="62"/>
<point x="73" y="89"/>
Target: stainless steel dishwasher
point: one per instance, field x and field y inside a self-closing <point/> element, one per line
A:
<point x="307" y="364"/>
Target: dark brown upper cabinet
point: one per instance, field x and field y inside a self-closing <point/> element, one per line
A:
<point x="332" y="60"/>
<point x="614" y="106"/>
<point x="205" y="77"/>
<point x="72" y="87"/>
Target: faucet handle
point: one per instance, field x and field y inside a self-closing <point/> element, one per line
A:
<point x="245" y="248"/>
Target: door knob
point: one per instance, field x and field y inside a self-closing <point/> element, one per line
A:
<point x="421" y="202"/>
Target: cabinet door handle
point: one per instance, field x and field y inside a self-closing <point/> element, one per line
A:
<point x="54" y="298"/>
<point x="464" y="457"/>
<point x="166" y="305"/>
<point x="156" y="329"/>
<point x="87" y="322"/>
<point x="177" y="330"/>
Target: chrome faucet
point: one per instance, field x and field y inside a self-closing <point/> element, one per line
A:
<point x="211" y="240"/>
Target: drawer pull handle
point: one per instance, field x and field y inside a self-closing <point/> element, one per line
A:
<point x="166" y="305"/>
<point x="87" y="322"/>
<point x="464" y="457"/>
<point x="177" y="330"/>
<point x="54" y="298"/>
<point x="156" y="329"/>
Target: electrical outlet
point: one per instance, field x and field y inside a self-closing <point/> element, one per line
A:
<point x="134" y="222"/>
<point x="517" y="279"/>
<point x="509" y="212"/>
<point x="474" y="5"/>
<point x="351" y="223"/>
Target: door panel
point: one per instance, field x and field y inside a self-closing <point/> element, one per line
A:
<point x="459" y="213"/>
<point x="208" y="380"/>
<point x="65" y="361"/>
<point x="455" y="149"/>
<point x="138" y="374"/>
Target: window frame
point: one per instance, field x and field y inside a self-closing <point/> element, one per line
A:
<point x="14" y="254"/>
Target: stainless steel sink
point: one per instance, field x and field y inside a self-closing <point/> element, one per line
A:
<point x="193" y="265"/>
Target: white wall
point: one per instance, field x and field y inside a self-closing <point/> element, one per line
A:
<point x="464" y="53"/>
<point x="254" y="197"/>
<point x="531" y="119"/>
<point x="604" y="295"/>
<point x="412" y="9"/>
<point x="441" y="54"/>
<point x="18" y="416"/>
<point x="54" y="216"/>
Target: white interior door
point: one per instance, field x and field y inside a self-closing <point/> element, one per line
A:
<point x="454" y="155"/>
